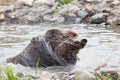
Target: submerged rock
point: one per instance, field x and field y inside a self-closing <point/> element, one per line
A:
<point x="61" y="76"/>
<point x="83" y="75"/>
<point x="107" y="11"/>
<point x="2" y="16"/>
<point x="61" y="19"/>
<point x="45" y="75"/>
<point x="74" y="75"/>
<point x="82" y="14"/>
<point x="70" y="18"/>
<point x="99" y="18"/>
<point x="78" y="20"/>
<point x="50" y="18"/>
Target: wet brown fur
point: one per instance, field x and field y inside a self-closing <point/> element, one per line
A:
<point x="57" y="47"/>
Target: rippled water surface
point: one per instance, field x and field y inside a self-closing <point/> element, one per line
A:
<point x="103" y="45"/>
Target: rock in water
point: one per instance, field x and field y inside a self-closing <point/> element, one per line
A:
<point x="99" y="18"/>
<point x="82" y="14"/>
<point x="70" y="18"/>
<point x="61" y="19"/>
<point x="2" y="17"/>
<point x="78" y="20"/>
<point x="83" y="75"/>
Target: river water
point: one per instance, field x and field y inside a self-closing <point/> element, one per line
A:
<point x="103" y="45"/>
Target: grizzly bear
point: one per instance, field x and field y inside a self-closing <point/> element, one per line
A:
<point x="57" y="47"/>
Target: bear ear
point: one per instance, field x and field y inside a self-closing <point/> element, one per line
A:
<point x="83" y="43"/>
<point x="71" y="33"/>
<point x="54" y="32"/>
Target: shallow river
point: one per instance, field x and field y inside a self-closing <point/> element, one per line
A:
<point x="103" y="45"/>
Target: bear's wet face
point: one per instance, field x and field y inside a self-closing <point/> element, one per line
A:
<point x="81" y="44"/>
<point x="69" y="49"/>
<point x="57" y="47"/>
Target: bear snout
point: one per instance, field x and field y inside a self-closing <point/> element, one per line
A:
<point x="83" y="43"/>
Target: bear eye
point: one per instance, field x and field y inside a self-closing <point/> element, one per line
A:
<point x="77" y="42"/>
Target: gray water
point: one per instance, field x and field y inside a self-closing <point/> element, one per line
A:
<point x="103" y="45"/>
